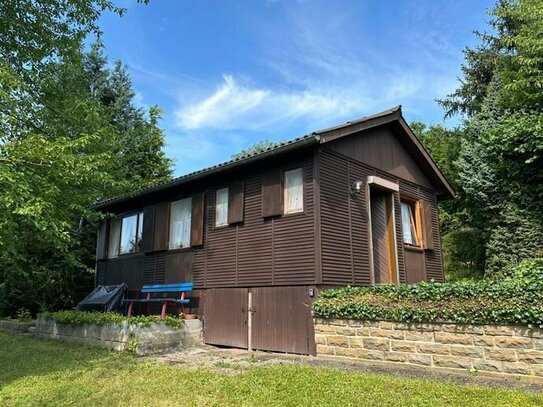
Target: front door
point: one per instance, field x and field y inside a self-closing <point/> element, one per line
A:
<point x="383" y="237"/>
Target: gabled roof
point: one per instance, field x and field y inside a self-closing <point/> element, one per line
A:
<point x="317" y="137"/>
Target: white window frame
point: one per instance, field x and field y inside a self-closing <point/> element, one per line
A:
<point x="183" y="223"/>
<point x="221" y="208"/>
<point x="293" y="204"/>
<point x="114" y="248"/>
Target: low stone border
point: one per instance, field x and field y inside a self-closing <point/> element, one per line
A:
<point x="486" y="348"/>
<point x="155" y="338"/>
<point x="16" y="327"/>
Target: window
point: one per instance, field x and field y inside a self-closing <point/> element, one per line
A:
<point x="410" y="223"/>
<point x="294" y="191"/>
<point x="125" y="235"/>
<point x="180" y="223"/>
<point x="221" y="207"/>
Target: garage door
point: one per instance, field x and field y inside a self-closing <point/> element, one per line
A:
<point x="280" y="319"/>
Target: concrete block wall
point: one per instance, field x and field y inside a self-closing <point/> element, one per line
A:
<point x="486" y="348"/>
<point x="146" y="340"/>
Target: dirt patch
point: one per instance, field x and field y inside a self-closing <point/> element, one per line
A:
<point x="234" y="361"/>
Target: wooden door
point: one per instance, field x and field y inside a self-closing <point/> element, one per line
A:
<point x="383" y="238"/>
<point x="225" y="317"/>
<point x="281" y="320"/>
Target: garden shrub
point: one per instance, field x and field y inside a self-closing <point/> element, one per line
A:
<point x="517" y="299"/>
<point x="103" y="318"/>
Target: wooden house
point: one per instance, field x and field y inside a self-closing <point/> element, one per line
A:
<point x="259" y="236"/>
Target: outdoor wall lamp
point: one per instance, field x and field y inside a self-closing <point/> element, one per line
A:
<point x="356" y="187"/>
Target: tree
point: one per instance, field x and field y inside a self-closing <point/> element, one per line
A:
<point x="501" y="152"/>
<point x="70" y="134"/>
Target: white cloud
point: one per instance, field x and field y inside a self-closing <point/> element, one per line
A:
<point x="235" y="105"/>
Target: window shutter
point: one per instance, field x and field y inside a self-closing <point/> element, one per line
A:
<point x="160" y="240"/>
<point x="148" y="238"/>
<point x="197" y="226"/>
<point x="101" y="251"/>
<point x="428" y="225"/>
<point x="235" y="202"/>
<point x="271" y="194"/>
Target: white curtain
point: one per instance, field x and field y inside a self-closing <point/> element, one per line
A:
<point x="221" y="207"/>
<point x="128" y="234"/>
<point x="294" y="191"/>
<point x="406" y="223"/>
<point x="114" y="237"/>
<point x="180" y="221"/>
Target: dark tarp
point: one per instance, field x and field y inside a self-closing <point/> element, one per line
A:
<point x="105" y="298"/>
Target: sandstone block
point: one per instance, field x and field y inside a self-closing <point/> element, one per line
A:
<point x="320" y="339"/>
<point x="325" y="350"/>
<point x="461" y="328"/>
<point x="376" y="343"/>
<point x="345" y="330"/>
<point x="372" y="354"/>
<point x="325" y="329"/>
<point x="336" y="340"/>
<point x="517" y="368"/>
<point x="487" y="365"/>
<point x="396" y="356"/>
<point x="467" y="350"/>
<point x="513" y="342"/>
<point x="413" y="335"/>
<point x="506" y="355"/>
<point x="355" y="342"/>
<point x="386" y="333"/>
<point x="447" y="337"/>
<point x="483" y="340"/>
<point x="364" y="331"/>
<point x="450" y="361"/>
<point x="498" y="330"/>
<point x="530" y="356"/>
<point x="403" y="346"/>
<point x="418" y="359"/>
<point x="433" y="348"/>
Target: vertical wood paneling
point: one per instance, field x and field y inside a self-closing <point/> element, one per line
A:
<point x="161" y="232"/>
<point x="235" y="202"/>
<point x="148" y="238"/>
<point x="101" y="269"/>
<point x="197" y="220"/>
<point x="101" y="241"/>
<point x="155" y="268"/>
<point x="272" y="197"/>
<point x="281" y="319"/>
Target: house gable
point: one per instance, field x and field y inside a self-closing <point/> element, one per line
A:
<point x="380" y="148"/>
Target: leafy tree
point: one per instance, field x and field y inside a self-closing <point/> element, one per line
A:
<point x="501" y="151"/>
<point x="63" y="144"/>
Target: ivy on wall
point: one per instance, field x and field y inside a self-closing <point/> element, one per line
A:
<point x="517" y="299"/>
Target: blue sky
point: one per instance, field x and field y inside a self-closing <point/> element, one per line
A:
<point x="228" y="74"/>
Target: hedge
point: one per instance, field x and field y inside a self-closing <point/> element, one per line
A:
<point x="517" y="299"/>
<point x="104" y="318"/>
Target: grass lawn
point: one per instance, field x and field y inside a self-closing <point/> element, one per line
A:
<point x="36" y="372"/>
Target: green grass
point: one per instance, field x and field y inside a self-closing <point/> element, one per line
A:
<point x="36" y="372"/>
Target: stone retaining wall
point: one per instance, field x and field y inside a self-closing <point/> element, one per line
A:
<point x="486" y="348"/>
<point x="15" y="327"/>
<point x="144" y="340"/>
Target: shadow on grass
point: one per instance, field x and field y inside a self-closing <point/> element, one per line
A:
<point x="23" y="356"/>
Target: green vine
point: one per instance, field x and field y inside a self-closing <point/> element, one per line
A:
<point x="515" y="300"/>
<point x="103" y="318"/>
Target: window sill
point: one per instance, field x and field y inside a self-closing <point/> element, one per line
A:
<point x="125" y="256"/>
<point x="180" y="250"/>
<point x="413" y="248"/>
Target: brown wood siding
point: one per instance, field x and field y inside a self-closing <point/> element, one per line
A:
<point x="380" y="148"/>
<point x="155" y="268"/>
<point x="235" y="202"/>
<point x="345" y="237"/>
<point x="179" y="267"/>
<point x="260" y="251"/>
<point x="101" y="241"/>
<point x="148" y="231"/>
<point x="379" y="237"/>
<point x="101" y="269"/>
<point x="161" y="231"/>
<point x="414" y="265"/>
<point x="197" y="220"/>
<point x="272" y="197"/>
<point x="344" y="221"/>
<point x="129" y="270"/>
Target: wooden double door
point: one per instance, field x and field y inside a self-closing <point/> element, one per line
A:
<point x="262" y="318"/>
